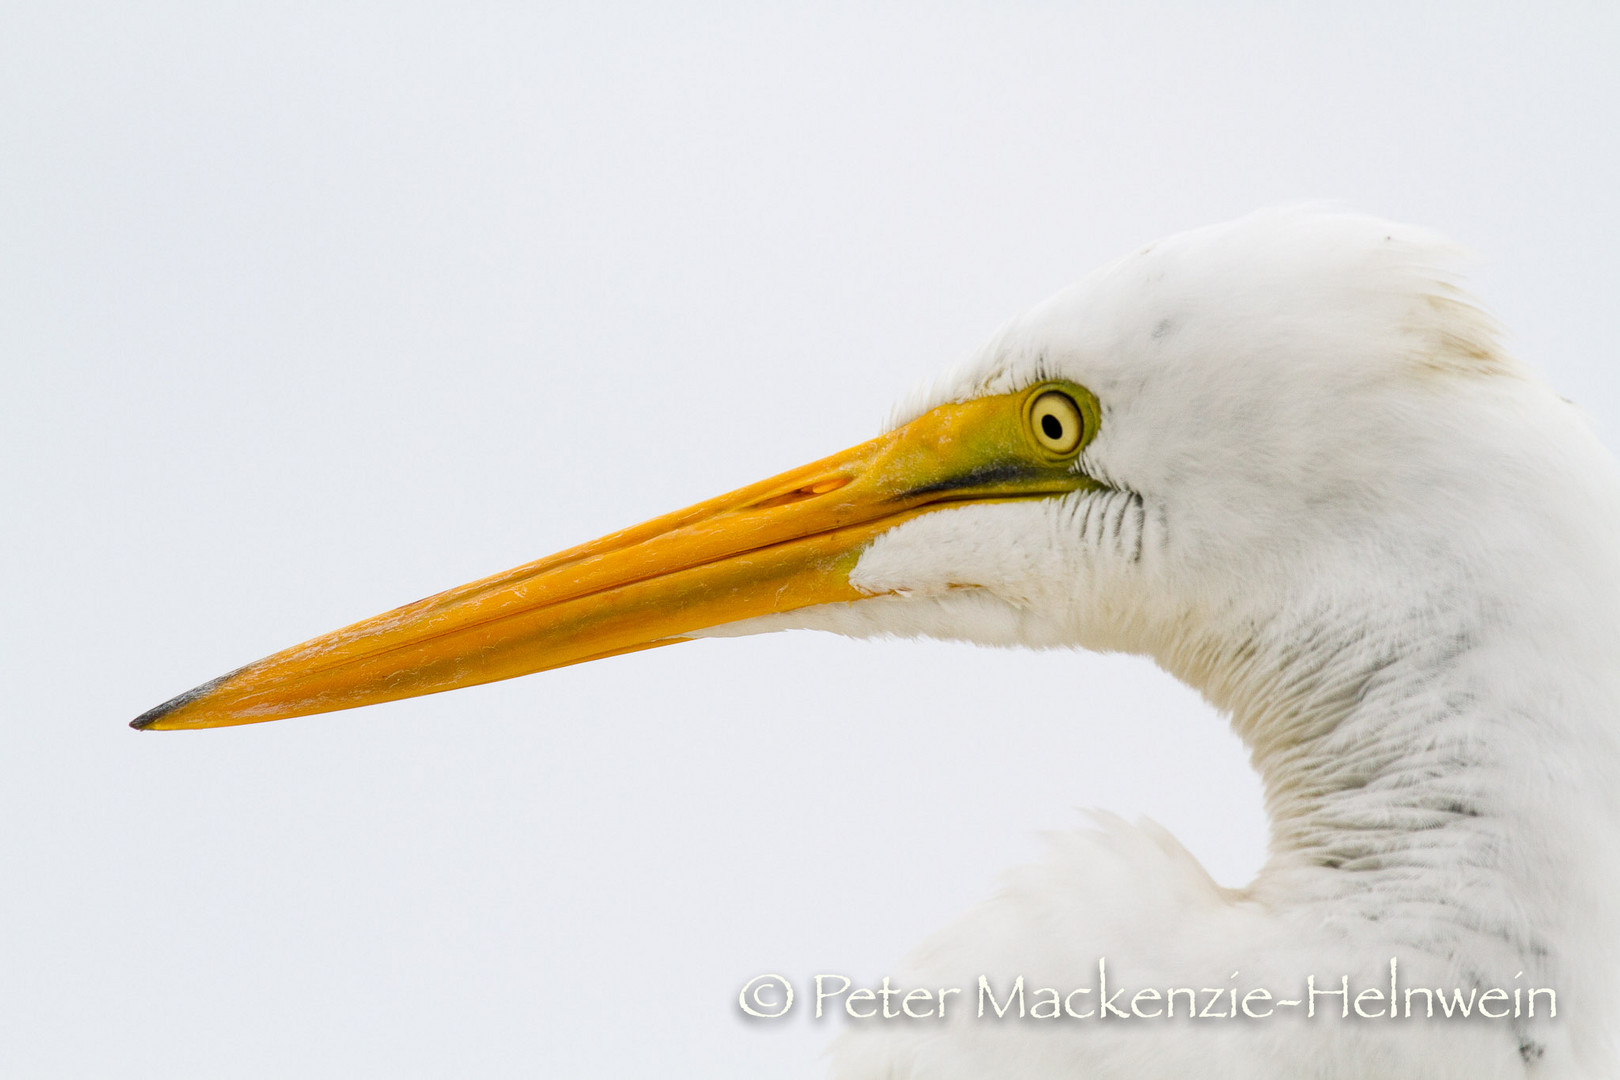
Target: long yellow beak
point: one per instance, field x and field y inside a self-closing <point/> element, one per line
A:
<point x="784" y="543"/>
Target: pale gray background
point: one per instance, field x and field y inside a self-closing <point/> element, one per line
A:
<point x="311" y="309"/>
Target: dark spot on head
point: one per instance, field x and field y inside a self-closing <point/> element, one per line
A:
<point x="1162" y="329"/>
<point x="1530" y="1050"/>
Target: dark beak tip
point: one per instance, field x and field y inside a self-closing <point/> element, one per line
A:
<point x="148" y="719"/>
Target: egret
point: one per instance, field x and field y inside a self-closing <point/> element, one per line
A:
<point x="1290" y="461"/>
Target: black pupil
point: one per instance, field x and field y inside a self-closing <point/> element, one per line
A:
<point x="1052" y="426"/>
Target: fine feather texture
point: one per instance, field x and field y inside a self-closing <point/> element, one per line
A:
<point x="1335" y="507"/>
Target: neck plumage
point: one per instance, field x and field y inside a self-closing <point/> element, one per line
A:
<point x="1443" y="780"/>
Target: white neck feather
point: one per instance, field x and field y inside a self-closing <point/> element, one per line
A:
<point x="1440" y="760"/>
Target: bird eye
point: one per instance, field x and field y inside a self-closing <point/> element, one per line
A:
<point x="1056" y="422"/>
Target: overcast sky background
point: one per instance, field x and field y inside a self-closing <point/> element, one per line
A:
<point x="307" y="310"/>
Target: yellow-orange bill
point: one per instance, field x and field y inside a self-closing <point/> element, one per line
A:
<point x="784" y="543"/>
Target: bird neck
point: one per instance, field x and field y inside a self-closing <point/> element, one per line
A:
<point x="1441" y="779"/>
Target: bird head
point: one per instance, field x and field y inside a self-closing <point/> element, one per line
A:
<point x="1146" y="462"/>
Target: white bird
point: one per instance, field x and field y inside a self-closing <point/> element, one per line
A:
<point x="1289" y="461"/>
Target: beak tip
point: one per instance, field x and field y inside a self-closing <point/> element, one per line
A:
<point x="149" y="719"/>
<point x="153" y="718"/>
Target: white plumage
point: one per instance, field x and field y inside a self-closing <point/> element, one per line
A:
<point x="1341" y="512"/>
<point x="1289" y="461"/>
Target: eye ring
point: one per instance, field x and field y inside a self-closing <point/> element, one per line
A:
<point x="1056" y="423"/>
